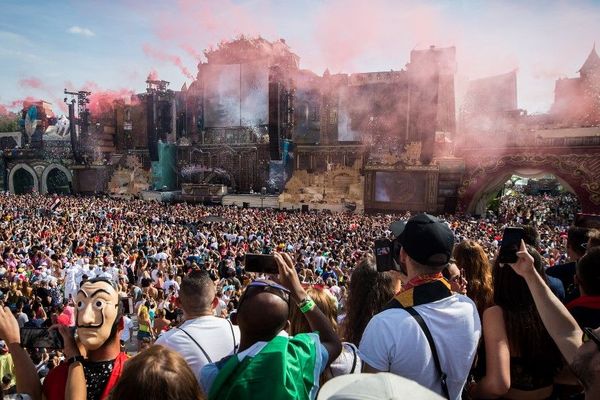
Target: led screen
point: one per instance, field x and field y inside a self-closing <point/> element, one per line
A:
<point x="399" y="187"/>
<point x="236" y="94"/>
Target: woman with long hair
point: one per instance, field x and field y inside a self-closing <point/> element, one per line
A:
<point x="348" y="362"/>
<point x="521" y="358"/>
<point x="471" y="258"/>
<point x="368" y="292"/>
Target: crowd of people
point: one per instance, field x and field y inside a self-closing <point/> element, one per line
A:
<point x="152" y="300"/>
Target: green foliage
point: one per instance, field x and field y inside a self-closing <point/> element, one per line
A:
<point x="494" y="204"/>
<point x="9" y="123"/>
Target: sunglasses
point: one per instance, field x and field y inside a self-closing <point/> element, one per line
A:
<point x="269" y="287"/>
<point x="588" y="334"/>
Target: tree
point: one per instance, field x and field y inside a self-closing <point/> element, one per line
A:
<point x="9" y="122"/>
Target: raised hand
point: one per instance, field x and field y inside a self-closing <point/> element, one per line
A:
<point x="288" y="276"/>
<point x="9" y="327"/>
<point x="524" y="265"/>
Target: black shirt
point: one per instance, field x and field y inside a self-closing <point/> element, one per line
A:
<point x="97" y="375"/>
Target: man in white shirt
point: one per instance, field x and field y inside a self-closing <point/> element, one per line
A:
<point x="202" y="338"/>
<point x="171" y="282"/>
<point x="127" y="330"/>
<point x="394" y="341"/>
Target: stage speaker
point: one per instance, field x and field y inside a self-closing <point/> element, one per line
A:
<point x="274" y="120"/>
<point x="151" y="128"/>
<point x="245" y="204"/>
<point x="304" y="208"/>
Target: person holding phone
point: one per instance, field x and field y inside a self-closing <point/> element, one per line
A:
<point x="521" y="358"/>
<point x="270" y="363"/>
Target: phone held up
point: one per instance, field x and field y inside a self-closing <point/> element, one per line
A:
<point x="41" y="338"/>
<point x="261" y="263"/>
<point x="511" y="242"/>
<point x="386" y="251"/>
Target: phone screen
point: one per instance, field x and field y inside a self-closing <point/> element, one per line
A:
<point x="383" y="255"/>
<point x="41" y="338"/>
<point x="263" y="263"/>
<point x="511" y="242"/>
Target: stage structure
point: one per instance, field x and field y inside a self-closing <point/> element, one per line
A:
<point x="372" y="141"/>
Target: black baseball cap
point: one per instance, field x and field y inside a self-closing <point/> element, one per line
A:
<point x="397" y="227"/>
<point x="427" y="240"/>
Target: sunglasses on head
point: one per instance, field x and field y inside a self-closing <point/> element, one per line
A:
<point x="264" y="286"/>
<point x="589" y="334"/>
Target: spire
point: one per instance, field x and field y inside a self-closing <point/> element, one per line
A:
<point x="592" y="62"/>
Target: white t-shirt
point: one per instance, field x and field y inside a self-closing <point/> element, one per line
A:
<point x="394" y="342"/>
<point x="167" y="285"/>
<point x="127" y="327"/>
<point x="212" y="333"/>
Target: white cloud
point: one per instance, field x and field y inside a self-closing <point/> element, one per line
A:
<point x="77" y="30"/>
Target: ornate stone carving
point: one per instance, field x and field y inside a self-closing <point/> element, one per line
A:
<point x="412" y="153"/>
<point x="337" y="185"/>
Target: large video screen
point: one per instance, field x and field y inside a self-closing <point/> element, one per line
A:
<point x="255" y="93"/>
<point x="222" y="95"/>
<point x="347" y="131"/>
<point x="307" y="116"/>
<point x="399" y="187"/>
<point x="236" y="95"/>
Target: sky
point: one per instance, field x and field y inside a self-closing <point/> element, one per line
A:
<point x="111" y="46"/>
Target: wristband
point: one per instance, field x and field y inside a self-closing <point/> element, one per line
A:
<point x="307" y="305"/>
<point x="74" y="359"/>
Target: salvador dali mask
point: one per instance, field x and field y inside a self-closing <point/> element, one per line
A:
<point x="97" y="309"/>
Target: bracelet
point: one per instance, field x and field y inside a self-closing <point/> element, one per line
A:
<point x="307" y="305"/>
<point x="75" y="359"/>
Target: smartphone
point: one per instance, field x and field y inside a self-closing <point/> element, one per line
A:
<point x="263" y="263"/>
<point x="41" y="338"/>
<point x="511" y="242"/>
<point x="386" y="251"/>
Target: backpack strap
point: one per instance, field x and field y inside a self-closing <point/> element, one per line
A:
<point x="235" y="343"/>
<point x="355" y="359"/>
<point x="394" y="303"/>
<point x="434" y="353"/>
<point x="198" y="344"/>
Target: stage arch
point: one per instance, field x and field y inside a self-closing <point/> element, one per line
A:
<point x="22" y="179"/>
<point x="578" y="173"/>
<point x="56" y="178"/>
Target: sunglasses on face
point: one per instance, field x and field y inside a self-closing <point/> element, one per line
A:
<point x="588" y="334"/>
<point x="263" y="286"/>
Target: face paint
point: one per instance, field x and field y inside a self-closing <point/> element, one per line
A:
<point x="97" y="308"/>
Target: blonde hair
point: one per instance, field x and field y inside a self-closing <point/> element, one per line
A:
<point x="326" y="303"/>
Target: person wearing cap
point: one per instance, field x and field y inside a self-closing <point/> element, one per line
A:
<point x="395" y="341"/>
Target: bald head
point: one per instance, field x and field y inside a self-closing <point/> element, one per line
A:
<point x="262" y="315"/>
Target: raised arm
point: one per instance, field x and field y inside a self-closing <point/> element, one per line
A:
<point x="25" y="372"/>
<point x="559" y="323"/>
<point x="316" y="319"/>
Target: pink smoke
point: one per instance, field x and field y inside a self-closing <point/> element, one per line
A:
<point x="102" y="101"/>
<point x="32" y="83"/>
<point x="17" y="105"/>
<point x="155" y="53"/>
<point x="49" y="91"/>
<point x="153" y="75"/>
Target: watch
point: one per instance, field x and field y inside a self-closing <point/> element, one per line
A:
<point x="75" y="359"/>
